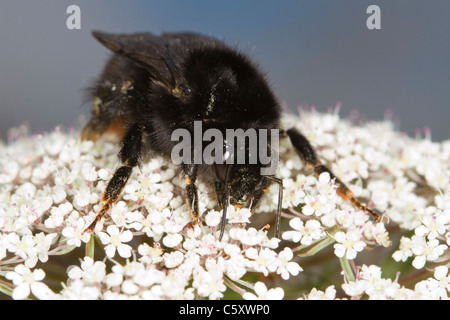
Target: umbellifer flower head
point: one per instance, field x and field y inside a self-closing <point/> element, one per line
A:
<point x="51" y="185"/>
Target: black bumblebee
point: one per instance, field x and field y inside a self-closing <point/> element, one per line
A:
<point x="153" y="85"/>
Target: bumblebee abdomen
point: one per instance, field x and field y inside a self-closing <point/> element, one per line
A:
<point x="115" y="96"/>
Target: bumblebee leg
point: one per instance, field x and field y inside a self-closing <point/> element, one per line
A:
<point x="219" y="187"/>
<point x="226" y="199"/>
<point x="280" y="202"/>
<point x="253" y="202"/>
<point x="129" y="155"/>
<point x="226" y="202"/>
<point x="308" y="155"/>
<point x="190" y="174"/>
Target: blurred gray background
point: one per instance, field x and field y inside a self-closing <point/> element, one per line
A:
<point x="316" y="52"/>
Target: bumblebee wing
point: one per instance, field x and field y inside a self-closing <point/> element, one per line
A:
<point x="151" y="52"/>
<point x="187" y="40"/>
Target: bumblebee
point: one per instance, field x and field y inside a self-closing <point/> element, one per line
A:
<point x="153" y="85"/>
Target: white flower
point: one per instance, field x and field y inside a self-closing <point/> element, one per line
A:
<point x="27" y="281"/>
<point x="173" y="286"/>
<point x="441" y="275"/>
<point x="172" y="240"/>
<point x="213" y="218"/>
<point x="84" y="196"/>
<point x="306" y="233"/>
<point x="351" y="167"/>
<point x="43" y="242"/>
<point x="370" y="282"/>
<point x="113" y="279"/>
<point x="252" y="237"/>
<point x="119" y="213"/>
<point x="150" y="254"/>
<point x="104" y="174"/>
<point x="9" y="171"/>
<point x="317" y="205"/>
<point x="79" y="291"/>
<point x="24" y="195"/>
<point x="329" y="294"/>
<point x="57" y="215"/>
<point x="235" y="266"/>
<point x="263" y="261"/>
<point x="324" y="179"/>
<point x="209" y="282"/>
<point x="349" y="244"/>
<point x="404" y="251"/>
<point x="169" y="221"/>
<point x="287" y="267"/>
<point x="263" y="294"/>
<point x="207" y="245"/>
<point x="427" y="290"/>
<point x="122" y="217"/>
<point x="425" y="250"/>
<point x="173" y="259"/>
<point x="432" y="226"/>
<point x="75" y="230"/>
<point x="354" y="288"/>
<point x="148" y="277"/>
<point x="152" y="225"/>
<point x="90" y="272"/>
<point x="24" y="247"/>
<point x="4" y="243"/>
<point x="238" y="215"/>
<point x="88" y="171"/>
<point x="114" y="239"/>
<point x="350" y="218"/>
<point x="293" y="195"/>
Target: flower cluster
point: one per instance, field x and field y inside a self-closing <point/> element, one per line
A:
<point x="51" y="187"/>
<point x="370" y="283"/>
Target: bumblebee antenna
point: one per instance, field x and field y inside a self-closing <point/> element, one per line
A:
<point x="226" y="201"/>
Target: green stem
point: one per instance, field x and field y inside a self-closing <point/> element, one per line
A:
<point x="6" y="288"/>
<point x="233" y="286"/>
<point x="315" y="247"/>
<point x="90" y="247"/>
<point x="348" y="272"/>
